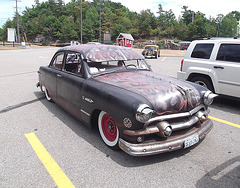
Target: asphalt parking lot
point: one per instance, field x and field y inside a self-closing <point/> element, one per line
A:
<point x="69" y="154"/>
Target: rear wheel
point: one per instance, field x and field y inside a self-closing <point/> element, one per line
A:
<point x="108" y="130"/>
<point x="205" y="82"/>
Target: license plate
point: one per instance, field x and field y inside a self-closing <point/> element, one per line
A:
<point x="191" y="141"/>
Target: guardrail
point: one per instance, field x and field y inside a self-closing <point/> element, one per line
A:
<point x="4" y="43"/>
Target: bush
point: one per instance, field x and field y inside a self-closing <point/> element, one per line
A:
<point x="160" y="44"/>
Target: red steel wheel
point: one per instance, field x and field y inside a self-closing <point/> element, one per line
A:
<point x="108" y="129"/>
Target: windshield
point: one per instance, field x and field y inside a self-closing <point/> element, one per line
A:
<point x="150" y="48"/>
<point x="99" y="68"/>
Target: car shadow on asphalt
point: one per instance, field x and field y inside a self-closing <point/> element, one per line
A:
<point x="231" y="105"/>
<point x="224" y="175"/>
<point x="92" y="137"/>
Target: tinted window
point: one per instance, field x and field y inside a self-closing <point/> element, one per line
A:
<point x="202" y="51"/>
<point x="229" y="52"/>
<point x="57" y="62"/>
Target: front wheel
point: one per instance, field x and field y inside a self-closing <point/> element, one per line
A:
<point x="108" y="130"/>
<point x="205" y="82"/>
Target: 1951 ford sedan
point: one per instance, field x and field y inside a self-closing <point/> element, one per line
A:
<point x="114" y="89"/>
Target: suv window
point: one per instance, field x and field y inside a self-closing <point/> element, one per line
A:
<point x="229" y="52"/>
<point x="202" y="51"/>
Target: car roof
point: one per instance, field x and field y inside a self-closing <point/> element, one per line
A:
<point x="151" y="45"/>
<point x="212" y="40"/>
<point x="102" y="52"/>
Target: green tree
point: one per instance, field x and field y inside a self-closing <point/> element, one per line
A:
<point x="67" y="31"/>
<point x="147" y="22"/>
<point x="211" y="30"/>
<point x="236" y="14"/>
<point x="91" y="25"/>
<point x="218" y="22"/>
<point x="58" y="21"/>
<point x="187" y="15"/>
<point x="228" y="26"/>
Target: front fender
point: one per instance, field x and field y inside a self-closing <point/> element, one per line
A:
<point x="117" y="102"/>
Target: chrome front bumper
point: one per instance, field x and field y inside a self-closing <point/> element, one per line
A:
<point x="157" y="147"/>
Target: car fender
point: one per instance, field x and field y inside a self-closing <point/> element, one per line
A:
<point x="214" y="78"/>
<point x="102" y="96"/>
<point x="194" y="71"/>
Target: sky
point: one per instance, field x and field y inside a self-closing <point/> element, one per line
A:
<point x="207" y="7"/>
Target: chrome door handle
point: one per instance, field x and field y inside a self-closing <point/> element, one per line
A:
<point x="218" y="67"/>
<point x="59" y="75"/>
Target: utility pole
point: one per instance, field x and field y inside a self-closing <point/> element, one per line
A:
<point x="100" y="32"/>
<point x="81" y="20"/>
<point x="18" y="35"/>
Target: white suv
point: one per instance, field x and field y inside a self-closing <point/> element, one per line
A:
<point x="215" y="64"/>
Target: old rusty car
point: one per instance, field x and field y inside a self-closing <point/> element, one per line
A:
<point x="113" y="89"/>
<point x="151" y="51"/>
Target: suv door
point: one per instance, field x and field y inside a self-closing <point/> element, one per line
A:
<point x="227" y="69"/>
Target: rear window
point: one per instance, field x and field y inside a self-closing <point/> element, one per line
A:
<point x="202" y="51"/>
<point x="229" y="52"/>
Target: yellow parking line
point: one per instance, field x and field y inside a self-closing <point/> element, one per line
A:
<point x="224" y="121"/>
<point x="52" y="167"/>
<point x="163" y="59"/>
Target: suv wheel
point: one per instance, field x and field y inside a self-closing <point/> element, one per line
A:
<point x="205" y="82"/>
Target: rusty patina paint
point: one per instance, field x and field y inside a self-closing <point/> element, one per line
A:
<point x="164" y="93"/>
<point x="100" y="53"/>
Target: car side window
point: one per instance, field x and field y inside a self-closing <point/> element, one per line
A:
<point x="202" y="51"/>
<point x="229" y="52"/>
<point x="58" y="61"/>
<point x="73" y="64"/>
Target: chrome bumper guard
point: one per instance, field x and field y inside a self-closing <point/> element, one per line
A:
<point x="157" y="147"/>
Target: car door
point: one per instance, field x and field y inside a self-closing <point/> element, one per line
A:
<point x="69" y="85"/>
<point x="227" y="69"/>
<point x="50" y="74"/>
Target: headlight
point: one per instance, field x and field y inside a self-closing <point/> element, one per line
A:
<point x="144" y="113"/>
<point x="208" y="97"/>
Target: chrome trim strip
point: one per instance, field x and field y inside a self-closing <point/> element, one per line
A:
<point x="85" y="112"/>
<point x="175" y="126"/>
<point x="173" y="116"/>
<point x="184" y="125"/>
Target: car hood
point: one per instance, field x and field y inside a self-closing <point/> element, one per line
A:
<point x="167" y="95"/>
